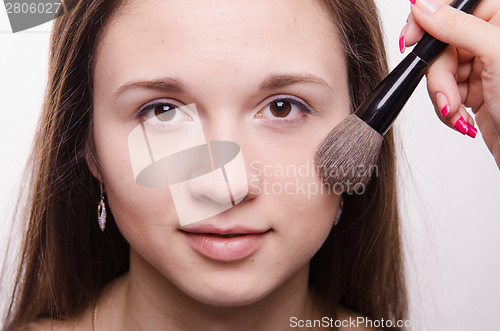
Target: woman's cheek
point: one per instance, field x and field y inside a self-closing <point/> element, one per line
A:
<point x="300" y="204"/>
<point x="131" y="204"/>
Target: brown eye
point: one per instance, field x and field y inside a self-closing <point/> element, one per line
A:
<point x="280" y="108"/>
<point x="165" y="112"/>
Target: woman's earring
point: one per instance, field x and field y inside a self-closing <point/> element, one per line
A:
<point x="101" y="210"/>
<point x="339" y="211"/>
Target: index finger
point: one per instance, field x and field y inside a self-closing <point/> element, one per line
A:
<point x="458" y="28"/>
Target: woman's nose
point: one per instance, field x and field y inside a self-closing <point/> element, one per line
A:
<point x="231" y="150"/>
<point x="224" y="181"/>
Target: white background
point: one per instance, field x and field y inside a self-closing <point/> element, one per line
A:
<point x="448" y="185"/>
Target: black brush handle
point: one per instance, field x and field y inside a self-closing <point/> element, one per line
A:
<point x="383" y="105"/>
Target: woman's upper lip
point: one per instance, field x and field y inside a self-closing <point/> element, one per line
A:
<point x="221" y="230"/>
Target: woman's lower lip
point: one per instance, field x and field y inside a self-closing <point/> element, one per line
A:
<point x="225" y="248"/>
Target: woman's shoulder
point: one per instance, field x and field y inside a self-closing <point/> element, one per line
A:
<point x="81" y="322"/>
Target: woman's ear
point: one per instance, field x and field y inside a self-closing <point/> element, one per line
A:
<point x="92" y="161"/>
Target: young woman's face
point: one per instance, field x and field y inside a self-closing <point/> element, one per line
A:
<point x="267" y="75"/>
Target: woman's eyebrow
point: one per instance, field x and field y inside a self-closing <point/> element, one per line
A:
<point x="174" y="85"/>
<point x="275" y="81"/>
<point x="167" y="84"/>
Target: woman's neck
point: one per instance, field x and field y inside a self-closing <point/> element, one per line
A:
<point x="144" y="299"/>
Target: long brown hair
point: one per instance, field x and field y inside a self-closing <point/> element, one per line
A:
<point x="360" y="266"/>
<point x="66" y="261"/>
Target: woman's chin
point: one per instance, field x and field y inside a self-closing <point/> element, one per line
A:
<point x="228" y="300"/>
<point x="231" y="295"/>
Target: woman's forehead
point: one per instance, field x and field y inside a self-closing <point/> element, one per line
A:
<point x="203" y="14"/>
<point x="175" y="35"/>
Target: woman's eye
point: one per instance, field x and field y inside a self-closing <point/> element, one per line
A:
<point x="164" y="115"/>
<point x="284" y="110"/>
<point x="165" y="112"/>
<point x="280" y="108"/>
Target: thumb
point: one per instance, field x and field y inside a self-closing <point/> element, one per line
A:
<point x="457" y="28"/>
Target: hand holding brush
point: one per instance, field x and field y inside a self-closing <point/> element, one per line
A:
<point x="351" y="149"/>
<point x="467" y="74"/>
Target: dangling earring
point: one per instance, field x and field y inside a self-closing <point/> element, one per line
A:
<point x="339" y="211"/>
<point x="101" y="210"/>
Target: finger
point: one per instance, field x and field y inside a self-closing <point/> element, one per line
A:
<point x="402" y="40"/>
<point x="446" y="95"/>
<point x="464" y="56"/>
<point x="464" y="71"/>
<point x="475" y="93"/>
<point x="463" y="122"/>
<point x="488" y="10"/>
<point x="458" y="28"/>
<point x="441" y="78"/>
<point x="410" y="34"/>
<point x="470" y="85"/>
<point x="460" y="120"/>
<point x="413" y="31"/>
<point x="463" y="90"/>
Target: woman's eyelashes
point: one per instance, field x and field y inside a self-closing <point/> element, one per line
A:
<point x="284" y="110"/>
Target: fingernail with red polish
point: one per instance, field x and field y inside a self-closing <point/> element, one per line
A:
<point x="461" y="126"/>
<point x="402" y="44"/>
<point x="442" y="101"/>
<point x="413" y="2"/>
<point x="445" y="110"/>
<point x="472" y="131"/>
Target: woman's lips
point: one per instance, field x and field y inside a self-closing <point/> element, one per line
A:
<point x="228" y="246"/>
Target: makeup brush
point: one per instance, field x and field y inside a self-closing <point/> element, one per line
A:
<point x="349" y="154"/>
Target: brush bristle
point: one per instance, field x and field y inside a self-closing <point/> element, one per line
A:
<point x="349" y="154"/>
